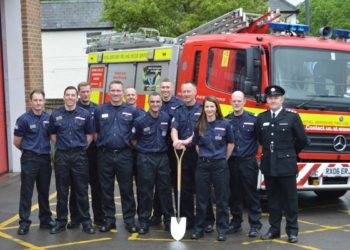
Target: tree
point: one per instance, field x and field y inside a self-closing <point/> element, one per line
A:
<point x="172" y="18"/>
<point x="331" y="13"/>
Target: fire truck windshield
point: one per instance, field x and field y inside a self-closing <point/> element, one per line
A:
<point x="313" y="78"/>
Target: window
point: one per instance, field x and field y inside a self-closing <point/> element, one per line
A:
<point x="197" y="60"/>
<point x="226" y="69"/>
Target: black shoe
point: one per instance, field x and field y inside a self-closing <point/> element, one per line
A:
<point x="88" y="228"/>
<point x="23" y="229"/>
<point x="221" y="237"/>
<point x="73" y="225"/>
<point x="208" y="229"/>
<point x="58" y="229"/>
<point x="167" y="226"/>
<point x="253" y="232"/>
<point x="292" y="238"/>
<point x="155" y="220"/>
<point x="143" y="229"/>
<point x="107" y="227"/>
<point x="48" y="225"/>
<point x="131" y="228"/>
<point x="234" y="229"/>
<point x="270" y="236"/>
<point x="197" y="235"/>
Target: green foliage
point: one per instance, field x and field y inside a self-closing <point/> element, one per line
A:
<point x="333" y="13"/>
<point x="172" y="18"/>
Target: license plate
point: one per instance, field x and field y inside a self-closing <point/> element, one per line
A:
<point x="336" y="172"/>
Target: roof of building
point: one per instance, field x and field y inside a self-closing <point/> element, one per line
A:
<point x="283" y="5"/>
<point x="73" y="15"/>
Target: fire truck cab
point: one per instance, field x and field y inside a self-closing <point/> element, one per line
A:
<point x="315" y="72"/>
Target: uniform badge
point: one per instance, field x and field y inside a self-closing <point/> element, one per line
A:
<point x="266" y="124"/>
<point x="58" y="118"/>
<point x="218" y="138"/>
<point x="32" y="126"/>
<point x="104" y="115"/>
<point x="283" y="124"/>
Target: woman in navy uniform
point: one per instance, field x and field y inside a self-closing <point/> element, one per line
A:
<point x="213" y="138"/>
<point x="282" y="136"/>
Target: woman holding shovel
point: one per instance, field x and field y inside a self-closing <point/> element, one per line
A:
<point x="214" y="143"/>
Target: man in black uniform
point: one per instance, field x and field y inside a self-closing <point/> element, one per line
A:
<point x="244" y="167"/>
<point x="71" y="129"/>
<point x="32" y="138"/>
<point x="150" y="137"/>
<point x="114" y="121"/>
<point x="170" y="104"/>
<point x="282" y="136"/>
<point x="84" y="92"/>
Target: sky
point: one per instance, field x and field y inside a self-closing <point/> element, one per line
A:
<point x="295" y="2"/>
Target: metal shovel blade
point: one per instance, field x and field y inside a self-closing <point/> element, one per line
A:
<point x="178" y="228"/>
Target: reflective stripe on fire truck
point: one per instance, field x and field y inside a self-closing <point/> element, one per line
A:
<point x="162" y="54"/>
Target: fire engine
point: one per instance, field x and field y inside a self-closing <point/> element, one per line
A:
<point x="233" y="52"/>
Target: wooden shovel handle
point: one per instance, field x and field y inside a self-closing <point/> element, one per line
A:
<point x="179" y="161"/>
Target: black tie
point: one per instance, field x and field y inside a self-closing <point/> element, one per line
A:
<point x="273" y="116"/>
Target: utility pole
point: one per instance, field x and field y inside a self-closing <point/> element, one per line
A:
<point x="307" y="14"/>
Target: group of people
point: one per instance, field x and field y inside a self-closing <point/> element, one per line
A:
<point x="96" y="144"/>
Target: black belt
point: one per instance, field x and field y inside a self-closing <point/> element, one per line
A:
<point x="71" y="150"/>
<point x="113" y="150"/>
<point x="245" y="158"/>
<point x="208" y="159"/>
<point x="35" y="153"/>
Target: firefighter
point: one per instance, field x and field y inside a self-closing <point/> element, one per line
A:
<point x="213" y="138"/>
<point x="282" y="136"/>
<point x="130" y="96"/>
<point x="84" y="92"/>
<point x="71" y="129"/>
<point x="113" y="121"/>
<point x="244" y="167"/>
<point x="150" y="137"/>
<point x="170" y="103"/>
<point x="182" y="127"/>
<point x="32" y="138"/>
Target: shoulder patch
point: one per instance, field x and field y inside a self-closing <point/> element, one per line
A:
<point x="291" y="110"/>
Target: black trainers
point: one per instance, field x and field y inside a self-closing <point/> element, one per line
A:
<point x="253" y="232"/>
<point x="58" y="229"/>
<point x="234" y="229"/>
<point x="23" y="229"/>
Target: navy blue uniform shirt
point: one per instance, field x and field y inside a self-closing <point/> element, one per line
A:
<point x="185" y="120"/>
<point x="90" y="107"/>
<point x="114" y="124"/>
<point x="34" y="130"/>
<point x="213" y="144"/>
<point x="170" y="106"/>
<point x="245" y="134"/>
<point x="71" y="127"/>
<point x="151" y="133"/>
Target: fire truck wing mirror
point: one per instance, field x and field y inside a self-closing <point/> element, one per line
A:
<point x="253" y="62"/>
<point x="260" y="98"/>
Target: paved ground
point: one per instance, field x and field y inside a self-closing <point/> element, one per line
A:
<point x="324" y="224"/>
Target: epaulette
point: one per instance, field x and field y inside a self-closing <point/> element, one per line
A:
<point x="291" y="110"/>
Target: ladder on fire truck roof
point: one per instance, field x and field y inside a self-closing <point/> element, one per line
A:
<point x="235" y="21"/>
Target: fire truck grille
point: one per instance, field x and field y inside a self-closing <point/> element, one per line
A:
<point x="328" y="143"/>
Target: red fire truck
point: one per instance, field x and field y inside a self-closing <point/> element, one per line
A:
<point x="233" y="52"/>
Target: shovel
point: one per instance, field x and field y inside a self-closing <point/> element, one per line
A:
<point x="178" y="225"/>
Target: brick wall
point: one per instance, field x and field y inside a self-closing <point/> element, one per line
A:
<point x="32" y="51"/>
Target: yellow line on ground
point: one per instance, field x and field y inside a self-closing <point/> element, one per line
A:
<point x="308" y="222"/>
<point x="345" y="211"/>
<point x="16" y="217"/>
<point x="135" y="237"/>
<point x="280" y="242"/>
<point x="20" y="242"/>
<point x="76" y="243"/>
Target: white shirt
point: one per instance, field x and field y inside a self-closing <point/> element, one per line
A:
<point x="276" y="112"/>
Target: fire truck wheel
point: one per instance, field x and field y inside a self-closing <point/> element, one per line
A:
<point x="330" y="194"/>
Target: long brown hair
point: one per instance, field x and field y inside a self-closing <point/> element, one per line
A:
<point x="202" y="120"/>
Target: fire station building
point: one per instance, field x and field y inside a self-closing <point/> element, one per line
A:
<point x="20" y="70"/>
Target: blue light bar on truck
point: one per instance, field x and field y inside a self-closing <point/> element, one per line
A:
<point x="342" y="33"/>
<point x="289" y="27"/>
